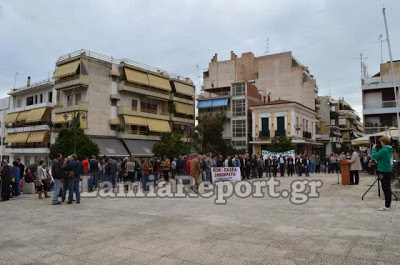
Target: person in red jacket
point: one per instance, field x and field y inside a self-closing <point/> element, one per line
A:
<point x="188" y="165"/>
<point x="85" y="164"/>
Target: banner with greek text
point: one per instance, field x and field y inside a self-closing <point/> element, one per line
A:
<point x="231" y="174"/>
<point x="291" y="153"/>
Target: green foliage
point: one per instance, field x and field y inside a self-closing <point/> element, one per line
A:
<point x="280" y="144"/>
<point x="65" y="144"/>
<point x="170" y="145"/>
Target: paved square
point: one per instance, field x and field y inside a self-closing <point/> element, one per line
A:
<point x="337" y="228"/>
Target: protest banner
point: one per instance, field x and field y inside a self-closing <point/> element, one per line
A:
<point x="231" y="174"/>
<point x="272" y="154"/>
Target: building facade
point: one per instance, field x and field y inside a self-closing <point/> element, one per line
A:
<point x="28" y="122"/>
<point x="283" y="118"/>
<point x="279" y="76"/>
<point x="124" y="106"/>
<point x="234" y="101"/>
<point x="4" y="105"/>
<point x="379" y="105"/>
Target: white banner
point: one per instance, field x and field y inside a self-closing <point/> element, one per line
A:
<point x="231" y="174"/>
<point x="271" y="154"/>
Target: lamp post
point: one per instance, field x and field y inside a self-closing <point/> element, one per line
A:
<point x="75" y="120"/>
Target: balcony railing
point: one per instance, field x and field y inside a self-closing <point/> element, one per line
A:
<point x="380" y="104"/>
<point x="307" y="135"/>
<point x="280" y="133"/>
<point x="264" y="134"/>
<point x="372" y="130"/>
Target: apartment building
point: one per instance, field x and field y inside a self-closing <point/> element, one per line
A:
<point x="283" y="118"/>
<point x="124" y="106"/>
<point x="379" y="105"/>
<point x="28" y="122"/>
<point x="4" y="104"/>
<point x="279" y="76"/>
<point x="234" y="101"/>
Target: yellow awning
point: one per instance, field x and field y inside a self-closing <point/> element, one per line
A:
<point x="66" y="69"/>
<point x="59" y="118"/>
<point x="114" y="73"/>
<point x="17" y="137"/>
<point x="158" y="126"/>
<point x="23" y="115"/>
<point x="133" y="120"/>
<point x="36" y="115"/>
<point x="36" y="137"/>
<point x="114" y="122"/>
<point x="11" y="117"/>
<point x="159" y="82"/>
<point x="184" y="108"/>
<point x="360" y="128"/>
<point x="184" y="89"/>
<point x="136" y="77"/>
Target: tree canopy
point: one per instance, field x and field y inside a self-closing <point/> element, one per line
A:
<point x="170" y="145"/>
<point x="64" y="144"/>
<point x="280" y="144"/>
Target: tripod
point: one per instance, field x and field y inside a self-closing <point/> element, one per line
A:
<point x="379" y="189"/>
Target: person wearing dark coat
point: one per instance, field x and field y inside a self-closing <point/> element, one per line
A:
<point x="5" y="181"/>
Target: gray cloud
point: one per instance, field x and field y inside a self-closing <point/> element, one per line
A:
<point x="327" y="36"/>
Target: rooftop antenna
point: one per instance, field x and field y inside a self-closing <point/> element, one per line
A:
<point x="267" y="48"/>
<point x="382" y="40"/>
<point x="364" y="71"/>
<point x="15" y="79"/>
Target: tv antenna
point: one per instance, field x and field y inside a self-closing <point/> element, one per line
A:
<point x="381" y="40"/>
<point x="15" y="79"/>
<point x="267" y="47"/>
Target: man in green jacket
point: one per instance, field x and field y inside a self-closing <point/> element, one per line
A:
<point x="384" y="157"/>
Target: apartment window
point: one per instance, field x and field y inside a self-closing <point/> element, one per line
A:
<point x="238" y="107"/>
<point x="148" y="107"/>
<point x="134" y="104"/>
<point x="239" y="128"/>
<point x="256" y="74"/>
<point x="238" y="89"/>
<point x="113" y="127"/>
<point x="312" y="127"/>
<point x="114" y="102"/>
<point x="36" y="99"/>
<point x="41" y="98"/>
<point x="69" y="100"/>
<point x="307" y="126"/>
<point x="19" y="103"/>
<point x="304" y="125"/>
<point x="239" y="143"/>
<point x="50" y="96"/>
<point x="264" y="124"/>
<point x="29" y="101"/>
<point x="78" y="97"/>
<point x="297" y="122"/>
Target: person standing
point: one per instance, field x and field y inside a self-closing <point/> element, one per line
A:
<point x="167" y="168"/>
<point x="290" y="164"/>
<point x="85" y="164"/>
<point x="355" y="166"/>
<point x="130" y="168"/>
<point x="268" y="163"/>
<point x="275" y="164"/>
<point x="173" y="168"/>
<point x="306" y="165"/>
<point x="17" y="180"/>
<point x="147" y="171"/>
<point x="21" y="169"/>
<point x="260" y="166"/>
<point x="208" y="166"/>
<point x="73" y="169"/>
<point x="282" y="162"/>
<point x="57" y="172"/>
<point x="94" y="171"/>
<point x="313" y="164"/>
<point x="195" y="170"/>
<point x="114" y="172"/>
<point x="5" y="181"/>
<point x="384" y="157"/>
<point x="42" y="179"/>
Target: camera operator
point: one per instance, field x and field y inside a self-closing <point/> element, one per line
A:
<point x="384" y="159"/>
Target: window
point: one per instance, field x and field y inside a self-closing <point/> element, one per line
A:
<point x="113" y="127"/>
<point x="148" y="107"/>
<point x="312" y="127"/>
<point x="19" y="103"/>
<point x="134" y="104"/>
<point x="50" y="96"/>
<point x="306" y="125"/>
<point x="239" y="143"/>
<point x="264" y="124"/>
<point x="78" y="97"/>
<point x="297" y="122"/>
<point x="239" y="128"/>
<point x="238" y="107"/>
<point x="114" y="102"/>
<point x="256" y="74"/>
<point x="238" y="89"/>
<point x="29" y="101"/>
<point x="41" y="98"/>
<point x="280" y="123"/>
<point x="69" y="100"/>
<point x="36" y="98"/>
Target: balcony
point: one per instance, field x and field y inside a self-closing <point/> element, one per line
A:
<point x="30" y="107"/>
<point x="148" y="91"/>
<point x="379" y="107"/>
<point x="207" y="95"/>
<point x="74" y="80"/>
<point x="265" y="134"/>
<point x="82" y="106"/>
<point x="280" y="132"/>
<point x="27" y="150"/>
<point x="307" y="135"/>
<point x="372" y="130"/>
<point x="43" y="127"/>
<point x="122" y="110"/>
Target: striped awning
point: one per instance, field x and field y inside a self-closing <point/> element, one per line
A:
<point x="23" y="115"/>
<point x="36" y="115"/>
<point x="184" y="89"/>
<point x="159" y="82"/>
<point x="184" y="108"/>
<point x="136" y="77"/>
<point x="17" y="138"/>
<point x="158" y="125"/>
<point x="67" y="69"/>
<point x="36" y="137"/>
<point x="11" y="117"/>
<point x="133" y="120"/>
<point x="113" y="121"/>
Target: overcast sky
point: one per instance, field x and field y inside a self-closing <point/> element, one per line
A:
<point x="325" y="35"/>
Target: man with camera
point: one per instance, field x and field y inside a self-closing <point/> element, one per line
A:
<point x="384" y="156"/>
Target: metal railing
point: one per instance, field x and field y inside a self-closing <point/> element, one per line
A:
<point x="264" y="134"/>
<point x="380" y="104"/>
<point x="39" y="83"/>
<point x="118" y="61"/>
<point x="372" y="130"/>
<point x="280" y="133"/>
<point x="306" y="134"/>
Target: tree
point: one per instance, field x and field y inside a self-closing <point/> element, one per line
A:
<point x="170" y="145"/>
<point x="64" y="144"/>
<point x="208" y="136"/>
<point x="280" y="144"/>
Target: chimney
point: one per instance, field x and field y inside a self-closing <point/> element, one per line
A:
<point x="215" y="58"/>
<point x="28" y="81"/>
<point x="233" y="56"/>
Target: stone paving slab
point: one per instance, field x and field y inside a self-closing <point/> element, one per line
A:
<point x="337" y="228"/>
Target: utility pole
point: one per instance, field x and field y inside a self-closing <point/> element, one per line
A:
<point x="393" y="74"/>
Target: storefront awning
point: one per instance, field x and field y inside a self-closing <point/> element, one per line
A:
<point x="140" y="148"/>
<point x="110" y="146"/>
<point x="184" y="108"/>
<point x="158" y="126"/>
<point x="212" y="103"/>
<point x="36" y="115"/>
<point x="133" y="120"/>
<point x="17" y="138"/>
<point x="23" y="115"/>
<point x="204" y="104"/>
<point x="11" y="117"/>
<point x="184" y="89"/>
<point x="136" y="77"/>
<point x="59" y="118"/>
<point x="67" y="69"/>
<point x="159" y="82"/>
<point x="36" y="137"/>
<point x="114" y="122"/>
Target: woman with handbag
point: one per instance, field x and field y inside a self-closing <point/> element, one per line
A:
<point x="42" y="179"/>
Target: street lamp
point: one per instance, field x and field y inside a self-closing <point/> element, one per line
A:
<point x="75" y="120"/>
